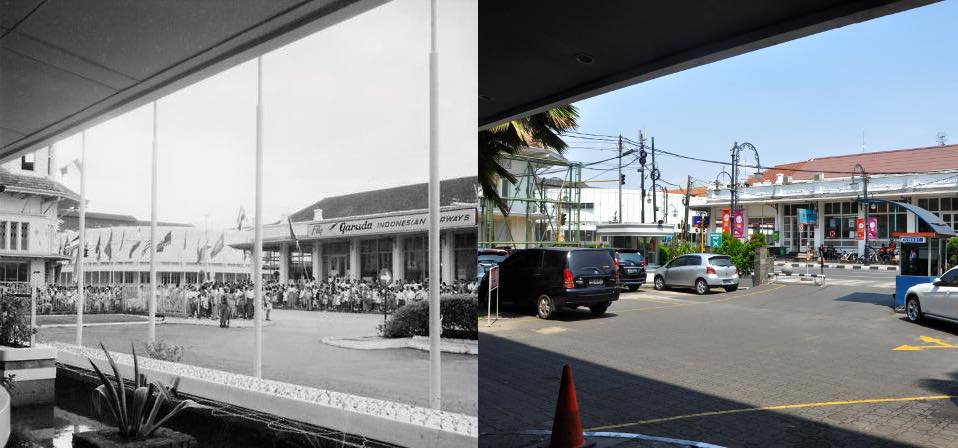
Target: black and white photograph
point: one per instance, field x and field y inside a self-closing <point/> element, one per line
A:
<point x="238" y="223"/>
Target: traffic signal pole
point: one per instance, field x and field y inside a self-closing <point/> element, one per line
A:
<point x="620" y="179"/>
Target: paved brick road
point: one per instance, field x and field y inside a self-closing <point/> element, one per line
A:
<point x="660" y="355"/>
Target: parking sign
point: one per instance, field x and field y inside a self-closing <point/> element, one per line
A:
<point x="493" y="277"/>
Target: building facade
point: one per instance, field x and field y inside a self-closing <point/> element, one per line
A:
<point x="31" y="199"/>
<point x="926" y="177"/>
<point x="363" y="235"/>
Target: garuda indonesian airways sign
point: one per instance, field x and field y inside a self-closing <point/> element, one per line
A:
<point x="390" y="224"/>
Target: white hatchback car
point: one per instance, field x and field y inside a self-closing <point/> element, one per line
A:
<point x="938" y="299"/>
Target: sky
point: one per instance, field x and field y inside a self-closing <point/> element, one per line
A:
<point x="892" y="78"/>
<point x="345" y="111"/>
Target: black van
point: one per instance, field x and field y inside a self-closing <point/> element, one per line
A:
<point x="554" y="278"/>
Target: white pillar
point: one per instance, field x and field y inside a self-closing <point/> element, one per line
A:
<point x="283" y="262"/>
<point x="354" y="268"/>
<point x="398" y="267"/>
<point x="151" y="334"/>
<point x="318" y="261"/>
<point x="258" y="229"/>
<point x="435" y="369"/>
<point x="912" y="222"/>
<point x="820" y="226"/>
<point x="81" y="299"/>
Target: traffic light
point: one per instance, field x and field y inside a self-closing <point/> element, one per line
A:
<point x="622" y="179"/>
<point x="562" y="219"/>
<point x="642" y="157"/>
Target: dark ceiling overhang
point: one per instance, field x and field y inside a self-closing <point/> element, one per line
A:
<point x="534" y="55"/>
<point x="67" y="65"/>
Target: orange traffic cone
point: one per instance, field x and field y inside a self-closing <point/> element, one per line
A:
<point x="566" y="427"/>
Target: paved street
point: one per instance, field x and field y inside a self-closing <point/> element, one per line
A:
<point x="292" y="352"/>
<point x="777" y="365"/>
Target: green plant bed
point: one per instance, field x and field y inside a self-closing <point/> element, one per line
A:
<point x="459" y="318"/>
<point x="110" y="438"/>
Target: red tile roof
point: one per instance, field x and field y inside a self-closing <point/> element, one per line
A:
<point x="898" y="160"/>
<point x="696" y="191"/>
<point x="22" y="183"/>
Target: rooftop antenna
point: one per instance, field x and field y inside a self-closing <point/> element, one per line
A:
<point x="863" y="141"/>
<point x="942" y="138"/>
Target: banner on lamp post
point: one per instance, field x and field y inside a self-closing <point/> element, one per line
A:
<point x="726" y="220"/>
<point x="860" y="228"/>
<point x="738" y="224"/>
<point x="872" y="228"/>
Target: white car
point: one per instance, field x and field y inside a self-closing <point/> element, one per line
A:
<point x="938" y="299"/>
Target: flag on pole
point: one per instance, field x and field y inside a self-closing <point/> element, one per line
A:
<point x="72" y="245"/>
<point x="97" y="249"/>
<point x="108" y="249"/>
<point x="148" y="246"/>
<point x="165" y="242"/>
<point x="185" y="239"/>
<point x="133" y="249"/>
<point x="122" y="240"/>
<point x="66" y="168"/>
<point x="219" y="245"/>
<point x="291" y="233"/>
<point x="241" y="218"/>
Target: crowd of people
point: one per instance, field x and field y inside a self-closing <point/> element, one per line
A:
<point x="235" y="300"/>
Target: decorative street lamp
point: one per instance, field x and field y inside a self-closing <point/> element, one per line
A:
<point x="864" y="201"/>
<point x="737" y="149"/>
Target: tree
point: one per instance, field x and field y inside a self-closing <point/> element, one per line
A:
<point x="542" y="129"/>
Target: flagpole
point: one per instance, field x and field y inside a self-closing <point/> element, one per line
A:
<point x="151" y="336"/>
<point x="258" y="227"/>
<point x="435" y="328"/>
<point x="81" y="300"/>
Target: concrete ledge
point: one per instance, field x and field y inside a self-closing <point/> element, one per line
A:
<point x="446" y="345"/>
<point x="4" y="417"/>
<point x="383" y="420"/>
<point x="34" y="374"/>
<point x="874" y="267"/>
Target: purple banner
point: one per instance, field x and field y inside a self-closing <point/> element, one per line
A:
<point x="738" y="223"/>
<point x="872" y="228"/>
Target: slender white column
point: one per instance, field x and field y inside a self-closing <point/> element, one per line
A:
<point x="151" y="337"/>
<point x="81" y="299"/>
<point x="435" y="369"/>
<point x="258" y="227"/>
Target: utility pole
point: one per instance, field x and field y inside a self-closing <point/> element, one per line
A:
<point x="734" y="189"/>
<point x="620" y="178"/>
<point x="655" y="176"/>
<point x="685" y="202"/>
<point x="642" y="156"/>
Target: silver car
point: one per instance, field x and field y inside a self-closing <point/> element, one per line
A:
<point x="938" y="299"/>
<point x="699" y="271"/>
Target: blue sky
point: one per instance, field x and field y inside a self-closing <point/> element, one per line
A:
<point x="894" y="78"/>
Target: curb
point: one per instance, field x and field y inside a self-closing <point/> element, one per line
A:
<point x="455" y="346"/>
<point x="842" y="266"/>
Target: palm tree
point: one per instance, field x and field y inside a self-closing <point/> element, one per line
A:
<point x="542" y="129"/>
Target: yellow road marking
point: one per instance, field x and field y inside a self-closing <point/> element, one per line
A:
<point x="773" y="408"/>
<point x="726" y="299"/>
<point x="938" y="343"/>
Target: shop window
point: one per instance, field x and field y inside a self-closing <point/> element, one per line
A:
<point x="28" y="161"/>
<point x="24" y="231"/>
<point x="464" y="251"/>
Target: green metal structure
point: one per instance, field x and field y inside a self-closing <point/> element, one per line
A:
<point x="541" y="213"/>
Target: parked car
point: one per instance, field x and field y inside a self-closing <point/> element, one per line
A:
<point x="631" y="268"/>
<point x="698" y="271"/>
<point x="487" y="259"/>
<point x="550" y="279"/>
<point x="938" y="299"/>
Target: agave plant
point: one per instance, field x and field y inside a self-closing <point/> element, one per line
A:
<point x="129" y="407"/>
